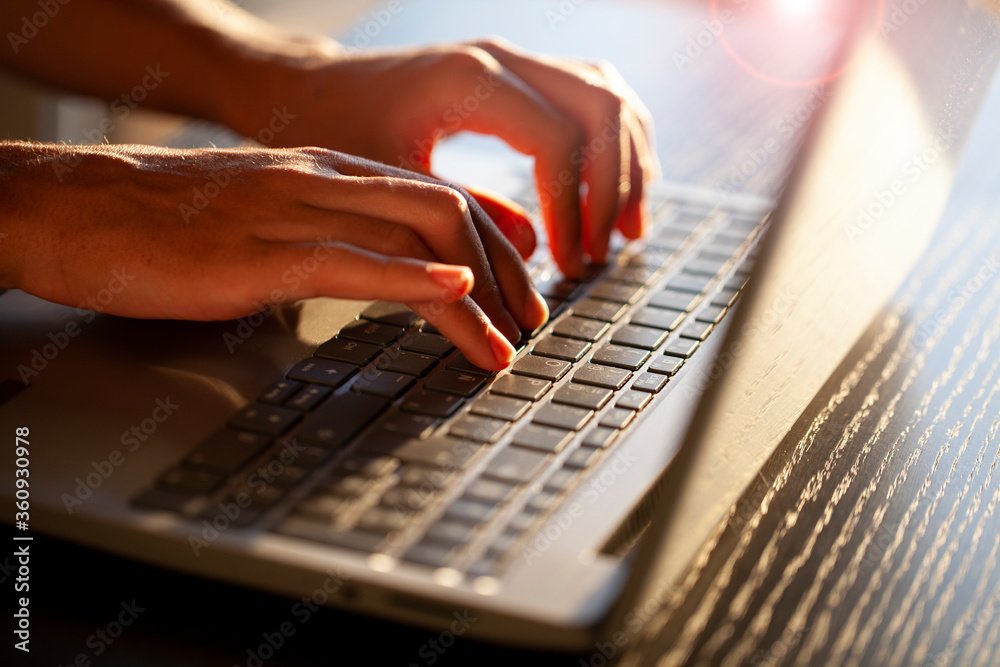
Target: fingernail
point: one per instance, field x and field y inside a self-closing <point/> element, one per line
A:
<point x="502" y="350"/>
<point x="456" y="281"/>
<point x="535" y="309"/>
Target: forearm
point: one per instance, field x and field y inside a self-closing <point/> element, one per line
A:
<point x="202" y="58"/>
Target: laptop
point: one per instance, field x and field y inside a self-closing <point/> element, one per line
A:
<point x="347" y="455"/>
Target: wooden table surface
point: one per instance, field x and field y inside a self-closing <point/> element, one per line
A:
<point x="870" y="538"/>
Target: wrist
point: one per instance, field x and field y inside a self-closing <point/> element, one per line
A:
<point x="272" y="82"/>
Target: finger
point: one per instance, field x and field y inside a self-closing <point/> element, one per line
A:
<point x="343" y="271"/>
<point x="633" y="219"/>
<point x="440" y="216"/>
<point x="465" y="324"/>
<point x="510" y="218"/>
<point x="583" y="94"/>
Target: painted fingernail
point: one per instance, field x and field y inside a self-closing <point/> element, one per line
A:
<point x="535" y="309"/>
<point x="502" y="350"/>
<point x="456" y="281"/>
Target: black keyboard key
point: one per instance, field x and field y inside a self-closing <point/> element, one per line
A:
<point x="604" y="311"/>
<point x="264" y="418"/>
<point x="308" y="397"/>
<point x="348" y="486"/>
<point x="643" y="337"/>
<point x="544" y="438"/>
<point x="657" y="318"/>
<point x="432" y="403"/>
<point x="158" y="499"/>
<point x="725" y="297"/>
<point x="463" y="365"/>
<point x="366" y="466"/>
<point x="617" y="418"/>
<point x="340" y="418"/>
<point x="306" y="528"/>
<point x="423" y="478"/>
<point x="478" y="429"/>
<point x="431" y="554"/>
<point x="666" y="365"/>
<point x="581" y="458"/>
<point x="713" y="314"/>
<point x="322" y="507"/>
<point x="615" y="292"/>
<point x="681" y="347"/>
<point x="279" y="392"/>
<point x="556" y="287"/>
<point x="348" y="351"/>
<point x="696" y="330"/>
<point x="371" y="332"/>
<point x="558" y="347"/>
<point x="518" y="386"/>
<point x="450" y="532"/>
<point x="426" y="343"/>
<point x="515" y="465"/>
<point x="636" y="275"/>
<point x="674" y="300"/>
<point x="600" y="437"/>
<point x="324" y="372"/>
<point x="437" y="451"/>
<point x="189" y="481"/>
<point x="580" y="328"/>
<point x="227" y="450"/>
<point x="602" y="376"/>
<point x="649" y="382"/>
<point x="409" y="424"/>
<point x="500" y="407"/>
<point x="406" y="499"/>
<point x="634" y="400"/>
<point x="408" y="363"/>
<point x="383" y="520"/>
<point x="685" y="282"/>
<point x="489" y="490"/>
<point x="620" y="357"/>
<point x="466" y="510"/>
<point x="542" y="368"/>
<point x="566" y="417"/>
<point x="383" y="383"/>
<point x="704" y="266"/>
<point x="453" y="382"/>
<point x="387" y="312"/>
<point x="582" y="396"/>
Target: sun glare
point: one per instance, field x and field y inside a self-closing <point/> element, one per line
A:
<point x="796" y="8"/>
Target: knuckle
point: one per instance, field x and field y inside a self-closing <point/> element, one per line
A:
<point x="492" y="43"/>
<point x="450" y="204"/>
<point x="468" y="59"/>
<point x="404" y="242"/>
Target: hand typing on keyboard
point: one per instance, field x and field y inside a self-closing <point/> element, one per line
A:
<point x="215" y="234"/>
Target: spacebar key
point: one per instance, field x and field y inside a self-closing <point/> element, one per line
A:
<point x="340" y="418"/>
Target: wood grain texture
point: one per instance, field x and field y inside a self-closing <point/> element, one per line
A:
<point x="872" y="536"/>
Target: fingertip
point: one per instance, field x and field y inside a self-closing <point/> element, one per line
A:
<point x="503" y="351"/>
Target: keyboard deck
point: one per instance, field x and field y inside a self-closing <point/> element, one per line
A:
<point x="389" y="441"/>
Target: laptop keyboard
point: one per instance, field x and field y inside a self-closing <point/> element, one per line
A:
<point x="389" y="441"/>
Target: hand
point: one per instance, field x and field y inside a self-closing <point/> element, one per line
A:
<point x="216" y="234"/>
<point x="580" y="122"/>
